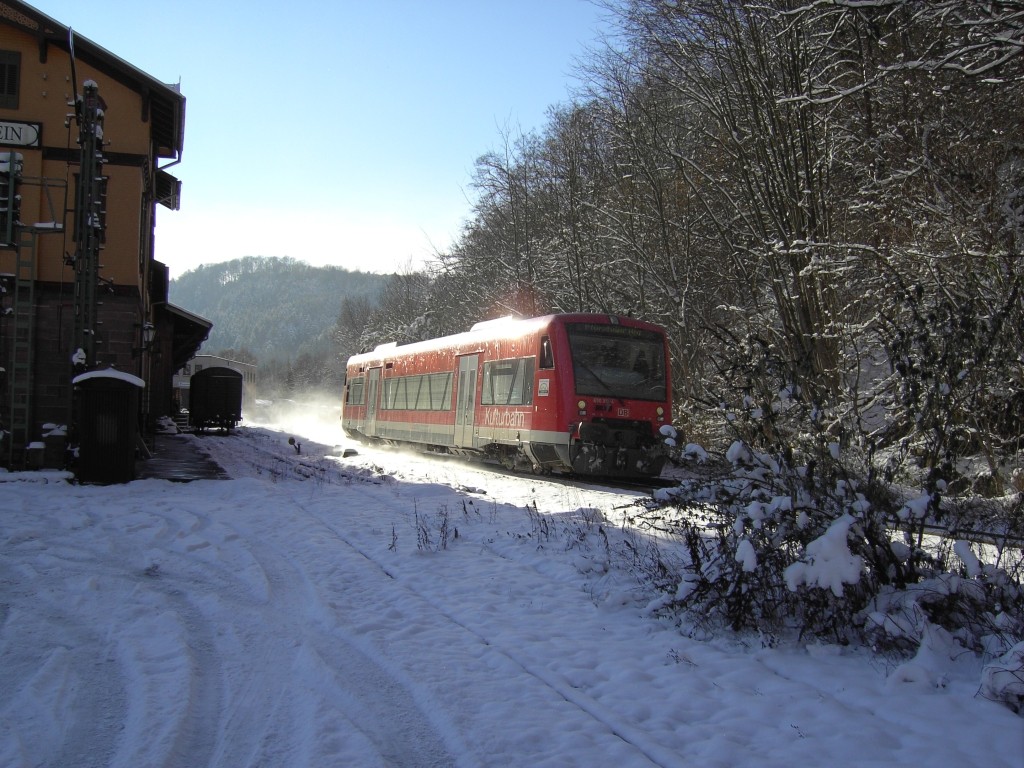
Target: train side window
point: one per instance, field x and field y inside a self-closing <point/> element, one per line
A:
<point x="416" y="393"/>
<point x="426" y="399"/>
<point x="440" y="385"/>
<point x="496" y="383"/>
<point x="415" y="385"/>
<point x="508" y="382"/>
<point x="426" y="392"/>
<point x="355" y="391"/>
<point x="547" y="359"/>
<point x="401" y="401"/>
<point x="523" y="386"/>
<point x="446" y="404"/>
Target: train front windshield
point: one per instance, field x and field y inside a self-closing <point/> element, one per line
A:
<point x="617" y="361"/>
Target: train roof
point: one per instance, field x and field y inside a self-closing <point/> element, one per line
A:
<point x="490" y="330"/>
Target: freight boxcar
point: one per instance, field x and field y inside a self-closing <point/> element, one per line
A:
<point x="215" y="399"/>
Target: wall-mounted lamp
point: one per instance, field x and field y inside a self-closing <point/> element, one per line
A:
<point x="148" y="336"/>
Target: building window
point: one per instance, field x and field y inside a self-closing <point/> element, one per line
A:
<point x="10" y="78"/>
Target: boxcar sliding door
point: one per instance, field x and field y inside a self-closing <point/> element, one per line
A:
<point x="465" y="401"/>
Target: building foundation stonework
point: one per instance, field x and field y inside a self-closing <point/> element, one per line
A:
<point x="117" y="346"/>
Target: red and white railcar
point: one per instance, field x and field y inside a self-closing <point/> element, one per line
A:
<point x="580" y="393"/>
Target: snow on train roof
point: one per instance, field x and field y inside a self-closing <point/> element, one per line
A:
<point x="486" y="330"/>
<point x="500" y="322"/>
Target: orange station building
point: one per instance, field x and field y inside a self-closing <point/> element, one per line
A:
<point x="86" y="144"/>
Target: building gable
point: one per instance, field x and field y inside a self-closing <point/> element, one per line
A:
<point x="162" y="105"/>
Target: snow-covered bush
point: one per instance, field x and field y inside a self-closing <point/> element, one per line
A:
<point x="774" y="549"/>
<point x="820" y="518"/>
<point x="956" y="389"/>
<point x="800" y="532"/>
<point x="771" y="548"/>
<point x="1003" y="679"/>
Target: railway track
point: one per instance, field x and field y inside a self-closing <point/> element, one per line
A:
<point x="312" y="467"/>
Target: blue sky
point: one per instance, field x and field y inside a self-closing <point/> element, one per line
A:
<point x="339" y="132"/>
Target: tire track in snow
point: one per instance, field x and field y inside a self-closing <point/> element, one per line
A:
<point x="375" y="703"/>
<point x="654" y="752"/>
<point x="294" y="640"/>
<point x="93" y="694"/>
<point x="354" y="682"/>
<point x="635" y="737"/>
<point x="628" y="734"/>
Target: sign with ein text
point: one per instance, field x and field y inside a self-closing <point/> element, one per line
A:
<point x="18" y="134"/>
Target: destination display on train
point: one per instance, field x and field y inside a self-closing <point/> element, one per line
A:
<point x="617" y="331"/>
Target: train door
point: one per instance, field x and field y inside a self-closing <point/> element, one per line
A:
<point x="465" y="401"/>
<point x="372" y="386"/>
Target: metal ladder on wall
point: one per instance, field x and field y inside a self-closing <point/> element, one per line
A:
<point x="19" y="356"/>
<point x="22" y="350"/>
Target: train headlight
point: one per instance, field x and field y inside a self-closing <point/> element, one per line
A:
<point x="582" y="404"/>
<point x="661" y="411"/>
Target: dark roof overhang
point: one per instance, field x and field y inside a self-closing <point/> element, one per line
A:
<point x="188" y="333"/>
<point x="168" y="190"/>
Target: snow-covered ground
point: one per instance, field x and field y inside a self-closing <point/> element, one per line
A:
<point x="385" y="609"/>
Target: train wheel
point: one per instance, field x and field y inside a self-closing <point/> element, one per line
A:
<point x="508" y="460"/>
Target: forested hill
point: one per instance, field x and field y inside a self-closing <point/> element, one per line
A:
<point x="275" y="308"/>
